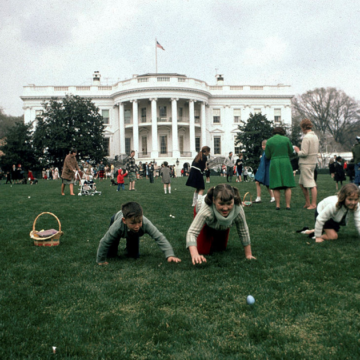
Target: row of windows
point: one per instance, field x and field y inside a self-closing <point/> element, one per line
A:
<point x="164" y="145"/>
<point x="237" y="115"/>
<point x="163" y="112"/>
<point x="163" y="115"/>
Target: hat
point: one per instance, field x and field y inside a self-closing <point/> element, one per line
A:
<point x="358" y="138"/>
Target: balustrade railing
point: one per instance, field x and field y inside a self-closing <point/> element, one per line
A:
<point x="142" y="155"/>
<point x="165" y="154"/>
<point x="143" y="120"/>
<point x="183" y="119"/>
<point x="164" y="119"/>
<point x="185" y="153"/>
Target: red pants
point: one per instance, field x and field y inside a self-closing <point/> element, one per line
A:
<point x="210" y="240"/>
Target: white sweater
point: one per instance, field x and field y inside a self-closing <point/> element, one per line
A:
<point x="309" y="149"/>
<point x="327" y="210"/>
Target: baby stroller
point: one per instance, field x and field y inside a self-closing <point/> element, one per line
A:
<point x="250" y="174"/>
<point x="87" y="187"/>
<point x="78" y="176"/>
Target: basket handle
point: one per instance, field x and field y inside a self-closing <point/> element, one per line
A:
<point x="49" y="214"/>
<point x="245" y="197"/>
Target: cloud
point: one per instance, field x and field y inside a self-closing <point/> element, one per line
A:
<point x="303" y="43"/>
<point x="270" y="50"/>
<point x="50" y="28"/>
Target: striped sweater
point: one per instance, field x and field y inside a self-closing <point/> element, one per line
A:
<point x="206" y="215"/>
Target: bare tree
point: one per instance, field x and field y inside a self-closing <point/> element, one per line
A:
<point x="349" y="135"/>
<point x="331" y="111"/>
<point x="345" y="112"/>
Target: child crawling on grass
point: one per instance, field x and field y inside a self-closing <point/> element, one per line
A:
<point x="333" y="212"/>
<point x="130" y="224"/>
<point x="214" y="214"/>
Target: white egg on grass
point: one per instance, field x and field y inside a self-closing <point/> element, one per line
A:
<point x="250" y="300"/>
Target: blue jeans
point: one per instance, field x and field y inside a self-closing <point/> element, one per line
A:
<point x="122" y="186"/>
<point x="357" y="174"/>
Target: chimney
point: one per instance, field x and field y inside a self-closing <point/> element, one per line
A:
<point x="96" y="78"/>
<point x="219" y="79"/>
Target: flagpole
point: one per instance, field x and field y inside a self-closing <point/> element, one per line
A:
<point x="155" y="56"/>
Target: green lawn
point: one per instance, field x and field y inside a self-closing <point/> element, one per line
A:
<point x="307" y="295"/>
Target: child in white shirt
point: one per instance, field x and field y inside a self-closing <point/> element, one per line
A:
<point x="333" y="212"/>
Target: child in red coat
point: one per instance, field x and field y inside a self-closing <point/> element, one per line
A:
<point x="31" y="178"/>
<point x="120" y="179"/>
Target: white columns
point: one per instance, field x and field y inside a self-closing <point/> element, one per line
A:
<point x="286" y="114"/>
<point x="192" y="127"/>
<point x="227" y="127"/>
<point x="228" y="116"/>
<point x="175" y="140"/>
<point x="121" y="128"/>
<point x="203" y="125"/>
<point x="27" y="114"/>
<point x="154" y="133"/>
<point x="135" y="127"/>
<point x="115" y="124"/>
<point x="269" y="112"/>
<point x="247" y="111"/>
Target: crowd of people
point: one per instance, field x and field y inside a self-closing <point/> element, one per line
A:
<point x="50" y="173"/>
<point x="17" y="175"/>
<point x="72" y="172"/>
<point x="221" y="207"/>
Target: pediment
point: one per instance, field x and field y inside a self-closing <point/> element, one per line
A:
<point x="162" y="127"/>
<point x="217" y="131"/>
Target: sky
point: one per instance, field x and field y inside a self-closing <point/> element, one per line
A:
<point x="303" y="43"/>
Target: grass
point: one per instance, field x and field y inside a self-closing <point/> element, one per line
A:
<point x="307" y="295"/>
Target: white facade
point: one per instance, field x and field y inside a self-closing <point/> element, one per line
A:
<point x="170" y="116"/>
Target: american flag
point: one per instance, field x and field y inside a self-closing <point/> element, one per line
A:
<point x="159" y="46"/>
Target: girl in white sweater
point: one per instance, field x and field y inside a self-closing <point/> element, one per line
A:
<point x="333" y="212"/>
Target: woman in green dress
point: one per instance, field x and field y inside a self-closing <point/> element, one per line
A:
<point x="278" y="150"/>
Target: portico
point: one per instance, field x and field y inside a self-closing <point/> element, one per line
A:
<point x="162" y="127"/>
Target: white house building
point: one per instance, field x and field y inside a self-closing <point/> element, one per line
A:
<point x="170" y="116"/>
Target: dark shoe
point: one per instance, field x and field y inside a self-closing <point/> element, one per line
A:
<point x="303" y="229"/>
<point x="288" y="208"/>
<point x="277" y="208"/>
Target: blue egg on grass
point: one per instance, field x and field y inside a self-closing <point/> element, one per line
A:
<point x="250" y="300"/>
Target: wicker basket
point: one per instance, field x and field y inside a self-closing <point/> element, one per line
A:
<point x="247" y="202"/>
<point x="53" y="240"/>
